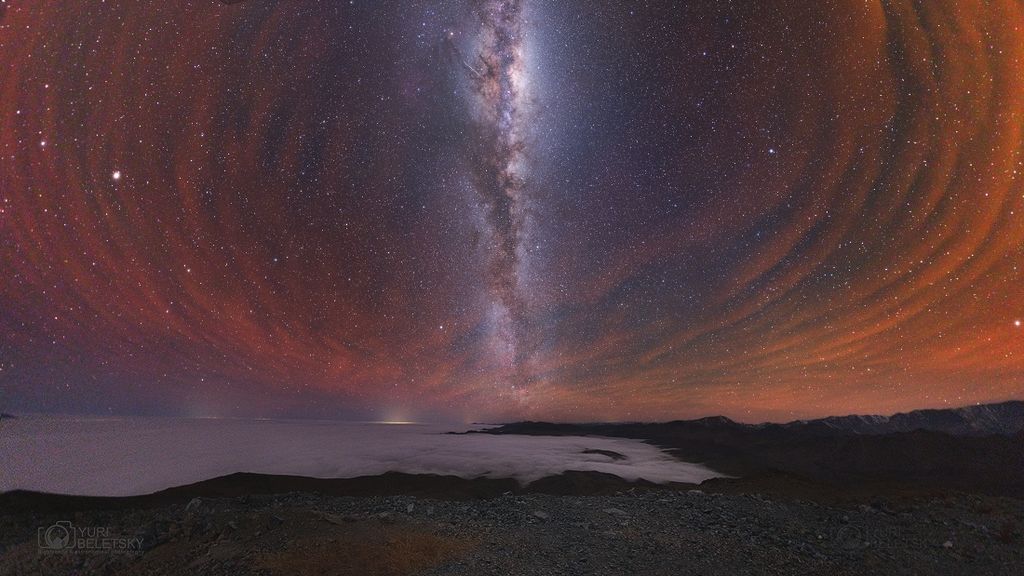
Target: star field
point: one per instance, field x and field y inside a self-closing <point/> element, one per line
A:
<point x="511" y="209"/>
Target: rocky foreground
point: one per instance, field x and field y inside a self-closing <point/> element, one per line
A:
<point x="634" y="531"/>
<point x="925" y="493"/>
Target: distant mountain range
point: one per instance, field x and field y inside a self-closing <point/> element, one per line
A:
<point x="976" y="448"/>
<point x="1005" y="418"/>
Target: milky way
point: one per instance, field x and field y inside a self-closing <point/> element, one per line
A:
<point x="497" y="156"/>
<point x="495" y="209"/>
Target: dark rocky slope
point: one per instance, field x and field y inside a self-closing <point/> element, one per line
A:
<point x="633" y="532"/>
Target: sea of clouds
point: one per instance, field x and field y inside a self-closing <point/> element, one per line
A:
<point x="128" y="456"/>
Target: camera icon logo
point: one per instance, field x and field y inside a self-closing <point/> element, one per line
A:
<point x="851" y="536"/>
<point x="56" y="537"/>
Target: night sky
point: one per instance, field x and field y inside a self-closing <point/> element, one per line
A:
<point x="509" y="209"/>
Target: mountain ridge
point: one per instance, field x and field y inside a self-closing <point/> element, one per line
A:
<point x="974" y="449"/>
<point x="1003" y="418"/>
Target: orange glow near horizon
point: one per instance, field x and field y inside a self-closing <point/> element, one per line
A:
<point x="776" y="211"/>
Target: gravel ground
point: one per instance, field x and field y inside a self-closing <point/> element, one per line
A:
<point x="634" y="532"/>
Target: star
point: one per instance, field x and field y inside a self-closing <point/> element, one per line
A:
<point x="569" y="212"/>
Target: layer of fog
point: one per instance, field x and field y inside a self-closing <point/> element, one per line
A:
<point x="127" y="456"/>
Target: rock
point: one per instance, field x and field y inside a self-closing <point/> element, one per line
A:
<point x="94" y="563"/>
<point x="615" y="512"/>
<point x="193" y="504"/>
<point x="409" y="509"/>
<point x="947" y="544"/>
<point x="149" y="538"/>
<point x="336" y="519"/>
<point x="695" y="492"/>
<point x="608" y="453"/>
<point x="541" y="514"/>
